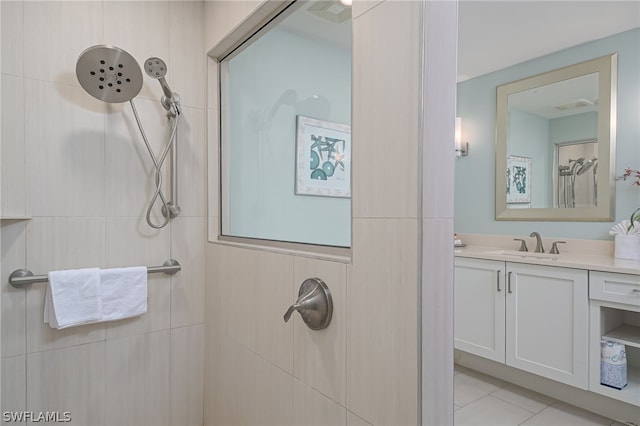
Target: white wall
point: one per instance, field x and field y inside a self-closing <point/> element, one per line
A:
<point x="84" y="180"/>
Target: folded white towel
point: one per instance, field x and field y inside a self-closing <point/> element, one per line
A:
<point x="622" y="228"/>
<point x="72" y="298"/>
<point x="124" y="292"/>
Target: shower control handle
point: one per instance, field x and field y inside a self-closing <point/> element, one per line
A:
<point x="290" y="311"/>
<point x="314" y="304"/>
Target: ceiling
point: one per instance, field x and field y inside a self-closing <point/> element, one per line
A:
<point x="564" y="98"/>
<point x="326" y="21"/>
<point x="497" y="34"/>
<point x="493" y="35"/>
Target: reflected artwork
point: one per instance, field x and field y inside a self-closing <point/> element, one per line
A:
<point x="518" y="180"/>
<point x="323" y="158"/>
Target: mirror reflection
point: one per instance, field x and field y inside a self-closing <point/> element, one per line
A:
<point x="285" y="130"/>
<point x="540" y="121"/>
<point x="575" y="174"/>
<point x="555" y="144"/>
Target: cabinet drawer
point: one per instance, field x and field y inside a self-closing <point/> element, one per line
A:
<point x="610" y="287"/>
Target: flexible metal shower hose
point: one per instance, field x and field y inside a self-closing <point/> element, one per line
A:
<point x="158" y="167"/>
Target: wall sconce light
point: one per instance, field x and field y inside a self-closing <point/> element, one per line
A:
<point x="462" y="148"/>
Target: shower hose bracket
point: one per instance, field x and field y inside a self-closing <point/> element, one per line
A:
<point x="173" y="210"/>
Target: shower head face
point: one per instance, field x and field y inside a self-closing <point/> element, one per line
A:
<point x="585" y="167"/>
<point x="155" y="68"/>
<point x="109" y="74"/>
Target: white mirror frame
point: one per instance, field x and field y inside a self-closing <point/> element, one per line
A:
<point x="606" y="67"/>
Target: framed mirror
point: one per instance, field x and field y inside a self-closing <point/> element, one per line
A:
<point x="555" y="144"/>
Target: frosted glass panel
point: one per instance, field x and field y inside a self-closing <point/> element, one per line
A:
<point x="299" y="71"/>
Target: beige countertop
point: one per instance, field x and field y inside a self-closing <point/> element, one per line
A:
<point x="594" y="255"/>
<point x="592" y="262"/>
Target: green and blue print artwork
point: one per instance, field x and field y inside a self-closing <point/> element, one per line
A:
<point x="520" y="179"/>
<point x="327" y="155"/>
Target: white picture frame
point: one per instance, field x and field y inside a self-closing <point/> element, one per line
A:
<point x="323" y="158"/>
<point x="518" y="180"/>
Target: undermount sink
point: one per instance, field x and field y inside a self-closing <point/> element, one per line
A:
<point x="525" y="254"/>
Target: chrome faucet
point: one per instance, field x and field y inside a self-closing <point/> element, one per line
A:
<point x="539" y="248"/>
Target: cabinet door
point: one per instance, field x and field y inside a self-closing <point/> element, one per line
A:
<point x="479" y="307"/>
<point x="548" y="322"/>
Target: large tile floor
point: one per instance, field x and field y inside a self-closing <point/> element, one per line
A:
<point x="483" y="400"/>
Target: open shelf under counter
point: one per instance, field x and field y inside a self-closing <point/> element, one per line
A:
<point x="629" y="394"/>
<point x="626" y="334"/>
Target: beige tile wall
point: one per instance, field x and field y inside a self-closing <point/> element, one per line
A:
<point x="439" y="103"/>
<point x="364" y="368"/>
<point x="79" y="168"/>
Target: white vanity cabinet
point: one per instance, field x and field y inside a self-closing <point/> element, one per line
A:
<point x="530" y="317"/>
<point x="479" y="326"/>
<point x="547" y="320"/>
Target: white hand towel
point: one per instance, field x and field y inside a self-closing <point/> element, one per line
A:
<point x="124" y="292"/>
<point x="73" y="298"/>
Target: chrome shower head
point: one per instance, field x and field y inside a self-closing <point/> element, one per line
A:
<point x="584" y="167"/>
<point x="109" y="74"/>
<point x="156" y="68"/>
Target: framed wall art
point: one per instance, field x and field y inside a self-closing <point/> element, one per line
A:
<point x="518" y="179"/>
<point x="323" y="158"/>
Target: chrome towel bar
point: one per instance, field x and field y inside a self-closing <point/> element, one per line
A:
<point x="21" y="277"/>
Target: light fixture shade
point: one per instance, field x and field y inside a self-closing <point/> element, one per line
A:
<point x="458" y="137"/>
<point x="460" y="147"/>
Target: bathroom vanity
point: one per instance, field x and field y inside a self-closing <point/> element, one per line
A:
<point x="547" y="314"/>
<point x="531" y="317"/>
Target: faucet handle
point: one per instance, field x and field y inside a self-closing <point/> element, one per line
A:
<point x="554" y="247"/>
<point x="523" y="244"/>
<point x="314" y="304"/>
